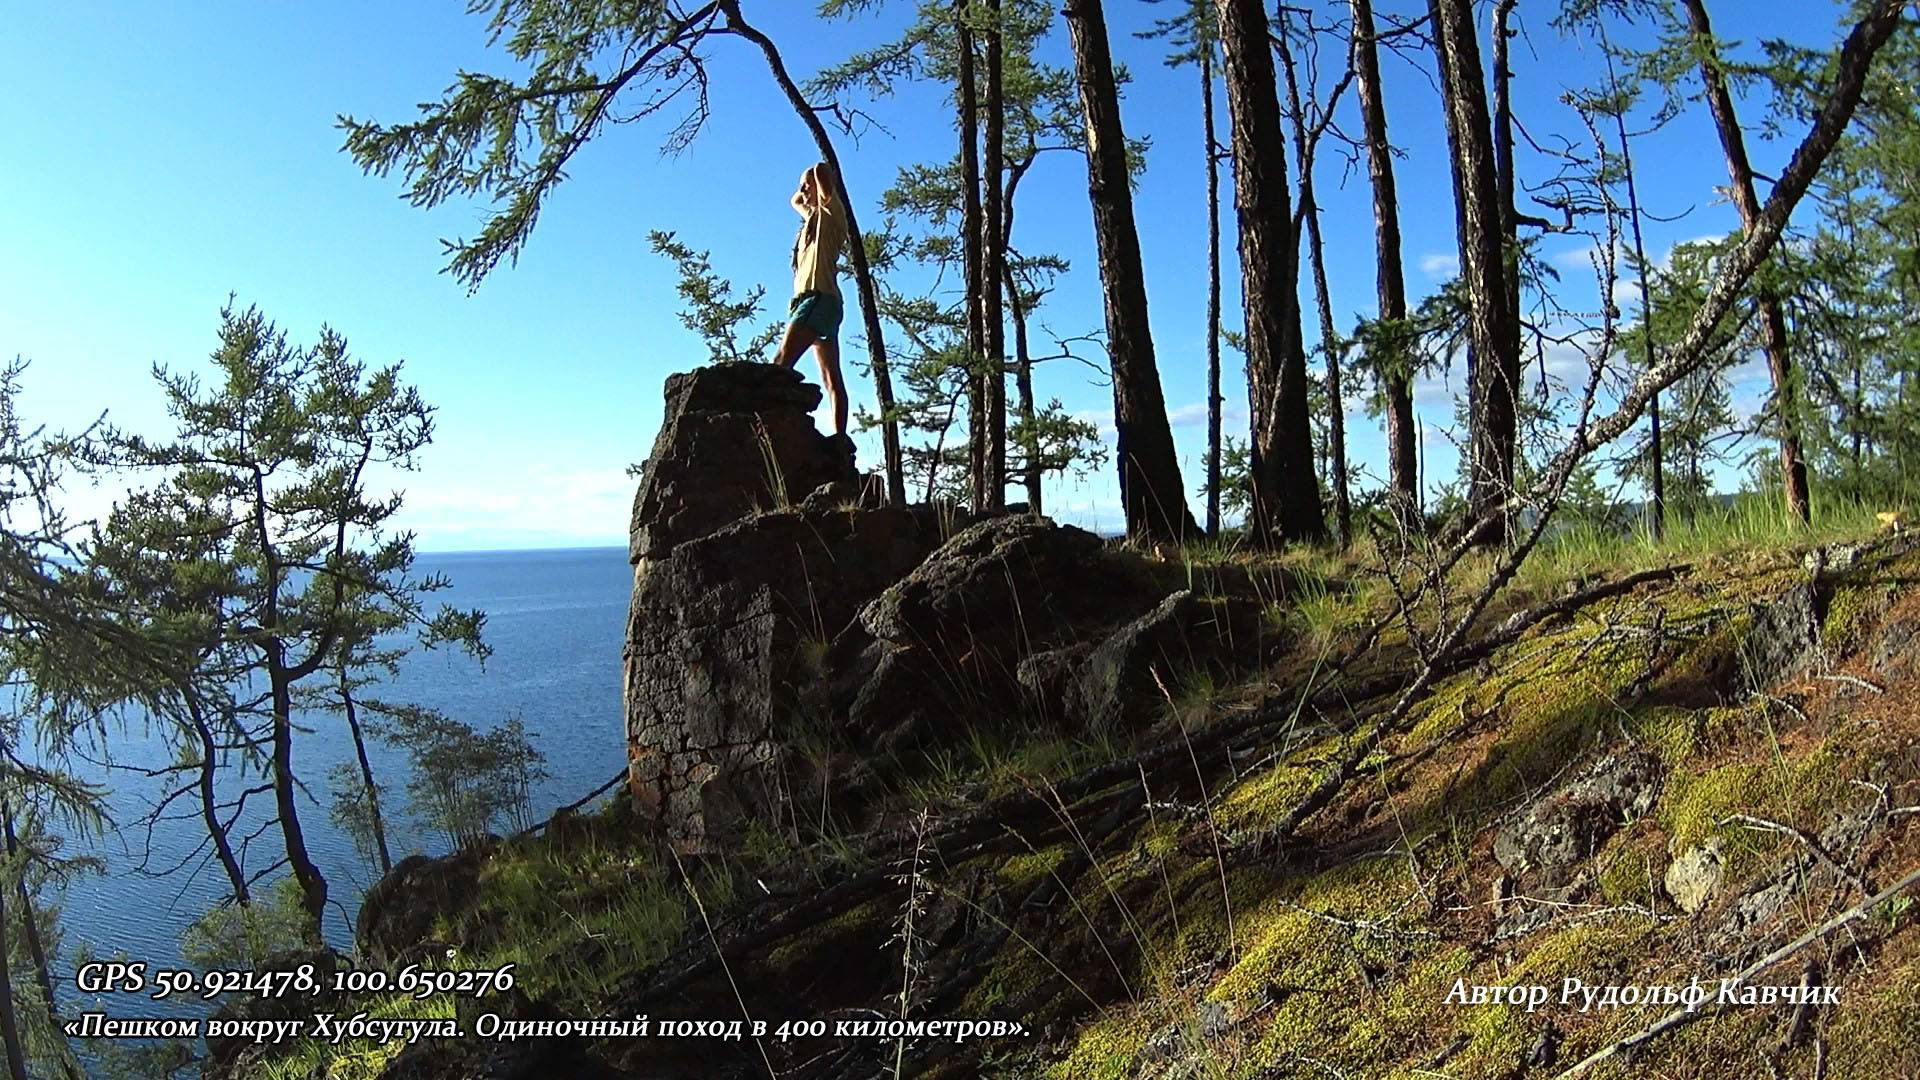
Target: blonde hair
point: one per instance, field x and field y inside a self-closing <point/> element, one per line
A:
<point x="823" y="191"/>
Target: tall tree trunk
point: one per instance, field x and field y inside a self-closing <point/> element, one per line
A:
<point x="9" y="1018"/>
<point x="1395" y="369"/>
<point x="1483" y="264"/>
<point x="994" y="257"/>
<point x="967" y="99"/>
<point x="378" y="821"/>
<point x="1213" y="289"/>
<point x="210" y="803"/>
<point x="1023" y="384"/>
<point x="1505" y="179"/>
<point x="1150" y="487"/>
<point x="1286" y="494"/>
<point x="1658" y="481"/>
<point x="29" y="922"/>
<point x="280" y="680"/>
<point x="1023" y="356"/>
<point x="1773" y="319"/>
<point x="856" y="250"/>
<point x="1303" y="153"/>
<point x="313" y="885"/>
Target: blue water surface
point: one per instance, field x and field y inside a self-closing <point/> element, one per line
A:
<point x="555" y="620"/>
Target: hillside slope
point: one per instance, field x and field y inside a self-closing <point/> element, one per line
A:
<point x="1653" y="780"/>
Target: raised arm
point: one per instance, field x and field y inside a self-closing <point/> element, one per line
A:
<point x="803" y="197"/>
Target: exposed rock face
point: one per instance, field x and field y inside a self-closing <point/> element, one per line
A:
<point x="736" y="438"/>
<point x="1785" y="639"/>
<point x="788" y="634"/>
<point x="726" y="633"/>
<point x="738" y="590"/>
<point x="1551" y="842"/>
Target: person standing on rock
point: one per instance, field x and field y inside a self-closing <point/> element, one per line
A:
<point x="814" y="318"/>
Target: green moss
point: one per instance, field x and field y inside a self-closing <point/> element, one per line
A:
<point x="1877" y="1033"/>
<point x="1105" y="1049"/>
<point x="1694" y="803"/>
<point x="1499" y="1035"/>
<point x="874" y="917"/>
<point x="1263" y="798"/>
<point x="1850" y="612"/>
<point x="1028" y="869"/>
<point x="1785" y="789"/>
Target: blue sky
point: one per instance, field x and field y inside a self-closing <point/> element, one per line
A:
<point x="156" y="158"/>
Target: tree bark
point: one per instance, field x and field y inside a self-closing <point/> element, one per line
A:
<point x="856" y="250"/>
<point x="1213" y="289"/>
<point x="995" y="257"/>
<point x="1773" y="320"/>
<point x="210" y="803"/>
<point x="1286" y="494"/>
<point x="280" y="680"/>
<point x="972" y="238"/>
<point x="9" y="1018"/>
<point x="366" y="776"/>
<point x="1150" y="487"/>
<point x="1023" y="384"/>
<point x="29" y="923"/>
<point x="1504" y="174"/>
<point x="1483" y="265"/>
<point x="1657" y="483"/>
<point x="313" y="885"/>
<point x="1023" y="356"/>
<point x="1303" y="153"/>
<point x="1394" y="370"/>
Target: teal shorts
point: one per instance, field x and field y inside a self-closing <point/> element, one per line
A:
<point x="818" y="312"/>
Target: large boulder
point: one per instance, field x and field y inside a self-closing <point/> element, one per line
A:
<point x="727" y="633"/>
<point x="736" y="438"/>
<point x="397" y="915"/>
<point x="754" y="544"/>
<point x="991" y="626"/>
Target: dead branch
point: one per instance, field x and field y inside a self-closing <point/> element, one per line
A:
<point x="1682" y="1016"/>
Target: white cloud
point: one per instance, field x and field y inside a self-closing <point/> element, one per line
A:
<point x="1194" y="414"/>
<point x="545" y="505"/>
<point x="1439" y="265"/>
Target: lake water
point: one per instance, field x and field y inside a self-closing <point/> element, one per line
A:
<point x="555" y="620"/>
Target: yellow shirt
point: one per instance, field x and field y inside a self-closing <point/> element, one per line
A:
<point x="819" y="256"/>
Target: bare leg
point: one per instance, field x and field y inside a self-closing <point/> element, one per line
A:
<point x="795" y="342"/>
<point x="827" y="351"/>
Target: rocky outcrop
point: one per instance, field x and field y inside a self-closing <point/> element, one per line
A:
<point x="789" y="635"/>
<point x="726" y="635"/>
<point x="736" y="438"/>
<point x="1551" y="842"/>
<point x="752" y="549"/>
<point x="397" y="915"/>
<point x="1785" y="639"/>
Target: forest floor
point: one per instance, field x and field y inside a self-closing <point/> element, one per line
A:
<point x="1696" y="764"/>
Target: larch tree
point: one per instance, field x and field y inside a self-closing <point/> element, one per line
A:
<point x="1310" y="121"/>
<point x="1773" y="320"/>
<point x="1285" y="500"/>
<point x="1484" y="266"/>
<point x="1390" y="347"/>
<point x="270" y="462"/>
<point x="1150" y="489"/>
<point x="1195" y="36"/>
<point x="993" y="263"/>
